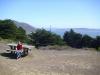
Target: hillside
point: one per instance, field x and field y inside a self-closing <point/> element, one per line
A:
<point x="25" y="26"/>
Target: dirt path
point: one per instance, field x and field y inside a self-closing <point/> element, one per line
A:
<point x="46" y="62"/>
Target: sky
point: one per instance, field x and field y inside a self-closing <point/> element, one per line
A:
<point x="54" y="13"/>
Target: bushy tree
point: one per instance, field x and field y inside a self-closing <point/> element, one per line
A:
<point x="7" y="29"/>
<point x="96" y="43"/>
<point x="78" y="40"/>
<point x="21" y="34"/>
<point x="73" y="39"/>
<point x="87" y="41"/>
<point x="43" y="38"/>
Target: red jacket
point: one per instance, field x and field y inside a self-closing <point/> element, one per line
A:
<point x="19" y="47"/>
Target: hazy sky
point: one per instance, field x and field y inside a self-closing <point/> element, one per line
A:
<point x="57" y="13"/>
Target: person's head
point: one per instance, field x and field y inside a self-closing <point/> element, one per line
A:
<point x="19" y="42"/>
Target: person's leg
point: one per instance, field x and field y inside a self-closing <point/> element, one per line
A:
<point x="17" y="53"/>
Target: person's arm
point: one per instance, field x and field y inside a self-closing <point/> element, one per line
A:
<point x="22" y="47"/>
<point x="16" y="47"/>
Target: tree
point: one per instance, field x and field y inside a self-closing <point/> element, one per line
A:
<point x="7" y="29"/>
<point x="96" y="43"/>
<point x="43" y="38"/>
<point x="73" y="39"/>
<point x="87" y="41"/>
<point x="77" y="40"/>
<point x="21" y="34"/>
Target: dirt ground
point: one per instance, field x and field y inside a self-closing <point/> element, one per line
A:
<point x="51" y="62"/>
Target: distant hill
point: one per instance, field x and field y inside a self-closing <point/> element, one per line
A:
<point x="25" y="26"/>
<point x="90" y="32"/>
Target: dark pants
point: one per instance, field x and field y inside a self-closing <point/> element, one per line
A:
<point x="19" y="53"/>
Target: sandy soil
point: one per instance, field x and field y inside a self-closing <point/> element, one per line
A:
<point x="51" y="62"/>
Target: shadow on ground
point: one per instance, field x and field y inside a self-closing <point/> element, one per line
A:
<point x="8" y="55"/>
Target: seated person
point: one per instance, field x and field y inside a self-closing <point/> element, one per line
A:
<point x="19" y="49"/>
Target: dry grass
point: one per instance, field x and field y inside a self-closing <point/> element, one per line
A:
<point x="52" y="62"/>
